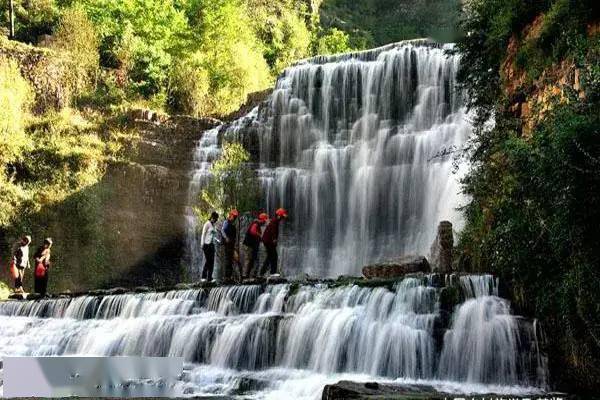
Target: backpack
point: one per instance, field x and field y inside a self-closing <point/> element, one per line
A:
<point x="40" y="270"/>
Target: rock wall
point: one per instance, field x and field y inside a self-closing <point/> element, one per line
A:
<point x="128" y="229"/>
<point x="45" y="70"/>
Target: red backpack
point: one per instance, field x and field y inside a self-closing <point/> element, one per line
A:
<point x="13" y="270"/>
<point x="40" y="270"/>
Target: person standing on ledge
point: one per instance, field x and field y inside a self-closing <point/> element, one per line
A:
<point x="42" y="265"/>
<point x="21" y="260"/>
<point x="208" y="239"/>
<point x="269" y="239"/>
<point x="229" y="235"/>
<point x="252" y="245"/>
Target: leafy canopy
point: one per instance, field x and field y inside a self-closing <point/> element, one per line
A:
<point x="232" y="183"/>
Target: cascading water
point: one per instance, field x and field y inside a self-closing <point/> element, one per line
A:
<point x="357" y="148"/>
<point x="288" y="338"/>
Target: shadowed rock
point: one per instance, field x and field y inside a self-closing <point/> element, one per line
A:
<point x="400" y="267"/>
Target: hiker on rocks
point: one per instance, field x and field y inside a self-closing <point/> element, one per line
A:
<point x="269" y="239"/>
<point x="21" y="261"/>
<point x="229" y="235"/>
<point x="252" y="245"/>
<point x="42" y="265"/>
<point x="208" y="240"/>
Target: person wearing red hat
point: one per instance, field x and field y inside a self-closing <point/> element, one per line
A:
<point x="229" y="234"/>
<point x="269" y="239"/>
<point x="252" y="244"/>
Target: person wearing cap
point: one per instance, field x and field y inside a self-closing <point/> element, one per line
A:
<point x="252" y="245"/>
<point x="229" y="235"/>
<point x="208" y="240"/>
<point x="269" y="239"/>
<point x="21" y="260"/>
<point x="42" y="264"/>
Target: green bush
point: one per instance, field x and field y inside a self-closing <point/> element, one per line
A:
<point x="282" y="30"/>
<point x="333" y="41"/>
<point x="4" y="291"/>
<point x="77" y="37"/>
<point x="534" y="214"/>
<point x="15" y="100"/>
<point x="189" y="88"/>
<point x="33" y="18"/>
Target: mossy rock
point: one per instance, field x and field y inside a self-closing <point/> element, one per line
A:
<point x="449" y="298"/>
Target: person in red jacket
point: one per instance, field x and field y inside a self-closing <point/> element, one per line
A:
<point x="252" y="244"/>
<point x="269" y="239"/>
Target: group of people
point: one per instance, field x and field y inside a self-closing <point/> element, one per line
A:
<point x="20" y="262"/>
<point x="253" y="238"/>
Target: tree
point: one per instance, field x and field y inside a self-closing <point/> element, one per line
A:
<point x="232" y="183"/>
<point x="333" y="42"/>
<point x="77" y="36"/>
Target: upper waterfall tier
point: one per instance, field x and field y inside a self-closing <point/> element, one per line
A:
<point x="357" y="147"/>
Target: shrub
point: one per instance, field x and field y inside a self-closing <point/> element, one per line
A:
<point x="332" y="42"/>
<point x="15" y="99"/>
<point x="76" y="36"/>
<point x="282" y="30"/>
<point x="189" y="88"/>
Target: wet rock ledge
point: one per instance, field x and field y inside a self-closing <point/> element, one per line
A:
<point x="346" y="390"/>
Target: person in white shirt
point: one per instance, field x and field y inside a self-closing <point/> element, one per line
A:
<point x="209" y="237"/>
<point x="21" y="260"/>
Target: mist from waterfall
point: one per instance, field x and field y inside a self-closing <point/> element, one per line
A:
<point x="358" y="148"/>
<point x="276" y="332"/>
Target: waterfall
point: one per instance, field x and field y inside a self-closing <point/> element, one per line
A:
<point x="357" y="148"/>
<point x="274" y="332"/>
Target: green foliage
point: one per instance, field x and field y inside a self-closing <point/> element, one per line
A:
<point x="534" y="215"/>
<point x="372" y="23"/>
<point x="226" y="34"/>
<point x="282" y="30"/>
<point x="333" y="42"/>
<point x="232" y="184"/>
<point x="156" y="48"/>
<point x="4" y="291"/>
<point x="143" y="36"/>
<point x="15" y="99"/>
<point x="33" y="18"/>
<point x="189" y="87"/>
<point x="77" y="37"/>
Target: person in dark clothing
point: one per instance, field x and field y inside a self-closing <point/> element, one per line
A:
<point x="42" y="265"/>
<point x="229" y="235"/>
<point x="21" y="261"/>
<point x="252" y="245"/>
<point x="269" y="239"/>
<point x="208" y="240"/>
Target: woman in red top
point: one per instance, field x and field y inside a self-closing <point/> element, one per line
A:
<point x="252" y="244"/>
<point x="270" y="241"/>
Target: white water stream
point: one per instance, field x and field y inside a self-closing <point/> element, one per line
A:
<point x="266" y="341"/>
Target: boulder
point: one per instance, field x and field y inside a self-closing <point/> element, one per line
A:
<point x="117" y="290"/>
<point x="441" y="249"/>
<point x="372" y="390"/>
<point x="397" y="268"/>
<point x="274" y="280"/>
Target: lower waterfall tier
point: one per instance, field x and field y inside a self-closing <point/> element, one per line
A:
<point x="409" y="331"/>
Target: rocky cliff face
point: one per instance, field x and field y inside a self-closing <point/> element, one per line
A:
<point x="127" y="229"/>
<point x="532" y="98"/>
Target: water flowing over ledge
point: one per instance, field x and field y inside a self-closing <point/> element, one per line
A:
<point x="280" y="336"/>
<point x="358" y="148"/>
